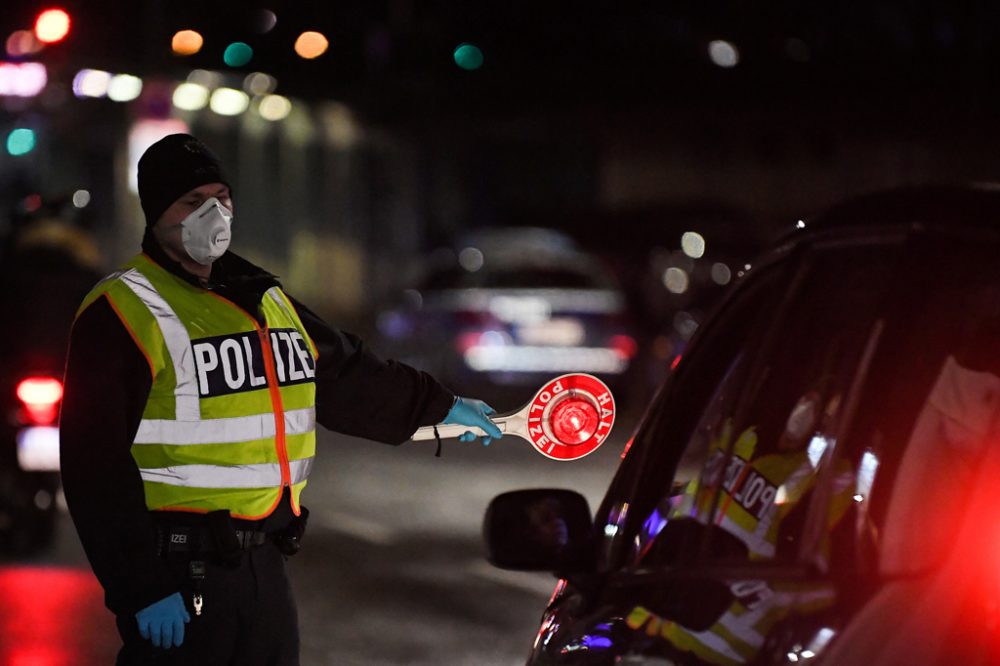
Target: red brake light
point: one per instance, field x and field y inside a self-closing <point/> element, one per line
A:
<point x="40" y="396"/>
<point x="625" y="345"/>
<point x="628" y="446"/>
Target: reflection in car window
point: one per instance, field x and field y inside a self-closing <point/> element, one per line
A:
<point x="671" y="546"/>
<point x="685" y="420"/>
<point x="757" y="471"/>
<point x="767" y="436"/>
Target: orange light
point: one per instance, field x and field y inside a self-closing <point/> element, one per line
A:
<point x="311" y="45"/>
<point x="186" y="42"/>
<point x="52" y="25"/>
<point x="41" y="396"/>
<point x="22" y="43"/>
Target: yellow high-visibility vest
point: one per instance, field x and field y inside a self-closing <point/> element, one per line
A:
<point x="230" y="420"/>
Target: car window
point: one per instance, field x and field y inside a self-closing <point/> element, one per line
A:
<point x="929" y="413"/>
<point x="763" y="440"/>
<point x="663" y="442"/>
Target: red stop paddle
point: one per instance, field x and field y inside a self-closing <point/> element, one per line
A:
<point x="567" y="419"/>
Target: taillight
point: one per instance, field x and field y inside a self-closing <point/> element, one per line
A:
<point x="625" y="345"/>
<point x="40" y="397"/>
<point x="474" y="318"/>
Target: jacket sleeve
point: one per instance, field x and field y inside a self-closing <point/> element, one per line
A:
<point x="106" y="384"/>
<point x="358" y="393"/>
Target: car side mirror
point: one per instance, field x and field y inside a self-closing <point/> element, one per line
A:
<point x="538" y="530"/>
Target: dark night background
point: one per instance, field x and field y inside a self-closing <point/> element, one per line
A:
<point x="607" y="121"/>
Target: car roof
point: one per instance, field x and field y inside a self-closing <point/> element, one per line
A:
<point x="532" y="238"/>
<point x="934" y="207"/>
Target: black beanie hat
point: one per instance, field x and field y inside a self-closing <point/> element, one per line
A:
<point x="172" y="167"/>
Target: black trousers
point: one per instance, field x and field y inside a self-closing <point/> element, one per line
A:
<point x="248" y="617"/>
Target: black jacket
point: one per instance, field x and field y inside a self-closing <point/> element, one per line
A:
<point x="106" y="385"/>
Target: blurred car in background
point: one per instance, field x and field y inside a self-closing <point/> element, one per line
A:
<point x="506" y="309"/>
<point x="674" y="261"/>
<point x="816" y="481"/>
<point x="48" y="263"/>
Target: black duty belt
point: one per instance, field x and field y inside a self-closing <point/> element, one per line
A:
<point x="197" y="538"/>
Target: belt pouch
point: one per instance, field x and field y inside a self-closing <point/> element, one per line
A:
<point x="223" y="536"/>
<point x="289" y="540"/>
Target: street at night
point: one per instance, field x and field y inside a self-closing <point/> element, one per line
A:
<point x="260" y="255"/>
<point x="392" y="570"/>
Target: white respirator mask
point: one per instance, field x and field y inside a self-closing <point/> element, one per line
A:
<point x="205" y="232"/>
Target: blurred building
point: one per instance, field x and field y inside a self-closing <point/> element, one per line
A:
<point x="410" y="123"/>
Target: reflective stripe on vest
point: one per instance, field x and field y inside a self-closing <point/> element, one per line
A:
<point x="223" y="431"/>
<point x="705" y="644"/>
<point x="178" y="343"/>
<point x="230" y="419"/>
<point x="221" y="476"/>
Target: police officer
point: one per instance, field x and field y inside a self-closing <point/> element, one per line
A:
<point x="193" y="387"/>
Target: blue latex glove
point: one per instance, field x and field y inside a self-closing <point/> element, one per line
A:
<point x="473" y="413"/>
<point x="163" y="622"/>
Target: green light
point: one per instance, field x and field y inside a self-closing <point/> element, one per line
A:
<point x="237" y="54"/>
<point x="468" y="56"/>
<point x="20" y="142"/>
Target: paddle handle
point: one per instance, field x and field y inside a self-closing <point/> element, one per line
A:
<point x="508" y="423"/>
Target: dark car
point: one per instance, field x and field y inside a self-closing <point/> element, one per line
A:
<point x="816" y="482"/>
<point x="506" y="309"/>
<point x="46" y="268"/>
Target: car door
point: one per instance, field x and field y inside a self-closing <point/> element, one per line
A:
<point x="579" y="627"/>
<point x="718" y="526"/>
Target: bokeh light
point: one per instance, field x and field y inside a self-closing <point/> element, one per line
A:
<point x="471" y="259"/>
<point x="23" y="43"/>
<point x="274" y="107"/>
<point x="91" y="83"/>
<point x="229" y="101"/>
<point x="721" y="273"/>
<point x="311" y="45"/>
<point x="124" y="87"/>
<point x="237" y="54"/>
<point x="81" y="198"/>
<point x="676" y="280"/>
<point x="259" y="83"/>
<point x="204" y="77"/>
<point x="468" y="56"/>
<point x="265" y="20"/>
<point x="25" y="79"/>
<point x="190" y="97"/>
<point x="52" y="25"/>
<point x="723" y="53"/>
<point x="693" y="244"/>
<point x="186" y="42"/>
<point x="685" y="324"/>
<point x="20" y="141"/>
